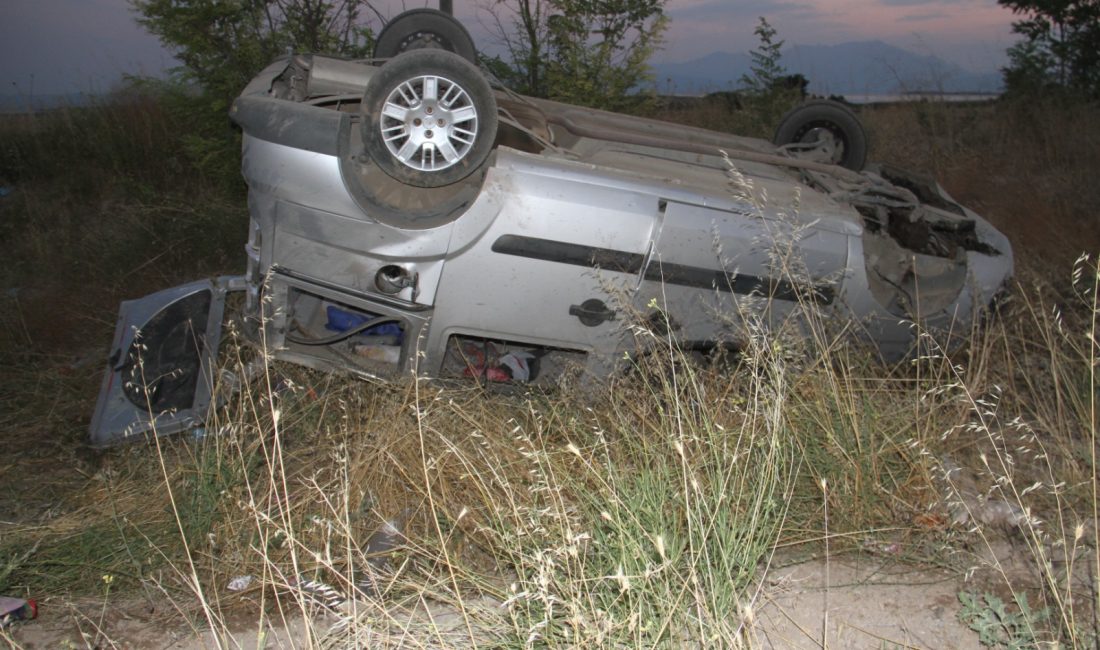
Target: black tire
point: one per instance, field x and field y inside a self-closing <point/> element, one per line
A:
<point x="429" y="118"/>
<point x="808" y="121"/>
<point x="424" y="29"/>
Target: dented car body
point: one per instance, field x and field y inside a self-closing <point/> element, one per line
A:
<point x="387" y="238"/>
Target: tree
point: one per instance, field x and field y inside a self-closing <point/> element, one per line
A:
<point x="600" y="50"/>
<point x="768" y="91"/>
<point x="523" y="32"/>
<point x="591" y="52"/>
<point x="1061" y="47"/>
<point x="222" y="44"/>
<point x="765" y="67"/>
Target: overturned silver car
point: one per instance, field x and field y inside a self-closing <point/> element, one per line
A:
<point x="406" y="216"/>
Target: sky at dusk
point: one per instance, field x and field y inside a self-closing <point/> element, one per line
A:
<point x="67" y="46"/>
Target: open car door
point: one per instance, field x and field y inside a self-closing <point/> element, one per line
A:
<point x="160" y="372"/>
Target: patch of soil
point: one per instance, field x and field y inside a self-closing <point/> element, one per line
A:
<point x="860" y="603"/>
<point x="854" y="602"/>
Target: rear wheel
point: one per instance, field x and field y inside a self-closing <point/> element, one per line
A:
<point x="824" y="131"/>
<point x="424" y="29"/>
<point x="429" y="118"/>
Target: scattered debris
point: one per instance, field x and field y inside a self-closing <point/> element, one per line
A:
<point x="319" y="592"/>
<point x="966" y="503"/>
<point x="389" y="536"/>
<point x="240" y="583"/>
<point x="520" y="366"/>
<point x="16" y="609"/>
<point x="883" y="548"/>
<point x="930" y="521"/>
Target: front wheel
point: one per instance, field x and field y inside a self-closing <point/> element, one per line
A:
<point x="429" y="118"/>
<point x="824" y="131"/>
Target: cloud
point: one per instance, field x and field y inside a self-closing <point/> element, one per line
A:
<point x="917" y="3"/>
<point x="699" y="26"/>
<point x="916" y="18"/>
<point x="723" y="10"/>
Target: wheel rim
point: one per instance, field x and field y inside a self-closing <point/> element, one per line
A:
<point x="429" y="123"/>
<point x="423" y="40"/>
<point x="830" y="145"/>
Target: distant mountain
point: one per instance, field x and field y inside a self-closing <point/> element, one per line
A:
<point x="866" y="68"/>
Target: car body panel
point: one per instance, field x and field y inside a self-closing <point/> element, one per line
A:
<point x="579" y="227"/>
<point x="160" y="375"/>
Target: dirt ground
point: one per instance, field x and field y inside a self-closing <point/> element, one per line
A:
<point x="861" y="602"/>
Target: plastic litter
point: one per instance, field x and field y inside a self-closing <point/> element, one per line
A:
<point x="519" y="366"/>
<point x="342" y="320"/>
<point x="16" y="609"/>
<point x="389" y="536"/>
<point x="319" y="592"/>
<point x="364" y="578"/>
<point x="240" y="583"/>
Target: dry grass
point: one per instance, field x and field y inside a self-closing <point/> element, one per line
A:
<point x="640" y="512"/>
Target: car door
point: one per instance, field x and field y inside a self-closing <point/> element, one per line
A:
<point x="159" y="376"/>
<point x="556" y="267"/>
<point x="713" y="269"/>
